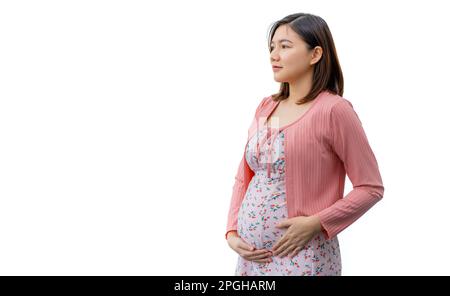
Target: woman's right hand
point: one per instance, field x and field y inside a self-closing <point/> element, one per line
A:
<point x="247" y="251"/>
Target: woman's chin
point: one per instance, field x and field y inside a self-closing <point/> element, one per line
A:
<point x="277" y="79"/>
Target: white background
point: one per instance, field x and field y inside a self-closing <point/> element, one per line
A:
<point x="122" y="124"/>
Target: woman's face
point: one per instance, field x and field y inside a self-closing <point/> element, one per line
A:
<point x="290" y="52"/>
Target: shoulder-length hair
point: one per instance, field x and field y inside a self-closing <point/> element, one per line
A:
<point x="327" y="73"/>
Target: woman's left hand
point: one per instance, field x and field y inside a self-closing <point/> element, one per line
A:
<point x="301" y="230"/>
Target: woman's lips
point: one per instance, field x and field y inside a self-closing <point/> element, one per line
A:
<point x="276" y="69"/>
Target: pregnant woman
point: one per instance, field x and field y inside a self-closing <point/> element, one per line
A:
<point x="287" y="205"/>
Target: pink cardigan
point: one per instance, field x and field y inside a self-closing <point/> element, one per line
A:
<point x="321" y="147"/>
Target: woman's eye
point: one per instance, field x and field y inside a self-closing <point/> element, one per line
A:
<point x="282" y="46"/>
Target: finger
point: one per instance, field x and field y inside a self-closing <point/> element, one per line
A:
<point x="287" y="250"/>
<point x="280" y="249"/>
<point x="263" y="260"/>
<point x="258" y="251"/>
<point x="279" y="243"/>
<point x="250" y="254"/>
<point x="294" y="253"/>
<point x="245" y="246"/>
<point x="259" y="256"/>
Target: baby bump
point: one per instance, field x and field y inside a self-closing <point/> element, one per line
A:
<point x="263" y="207"/>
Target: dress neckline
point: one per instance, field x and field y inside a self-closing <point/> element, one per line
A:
<point x="266" y="123"/>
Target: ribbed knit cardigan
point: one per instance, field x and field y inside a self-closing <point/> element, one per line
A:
<point x="321" y="147"/>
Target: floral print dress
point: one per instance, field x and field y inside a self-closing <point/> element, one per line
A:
<point x="264" y="206"/>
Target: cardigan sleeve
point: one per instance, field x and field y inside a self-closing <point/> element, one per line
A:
<point x="350" y="143"/>
<point x="242" y="178"/>
<point x="239" y="189"/>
